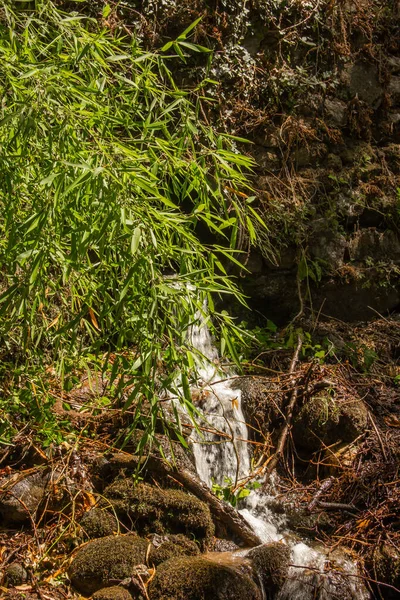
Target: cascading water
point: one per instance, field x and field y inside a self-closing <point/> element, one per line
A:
<point x="222" y="452"/>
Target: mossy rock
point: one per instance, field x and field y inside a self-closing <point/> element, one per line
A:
<point x="106" y="561"/>
<point x="97" y="523"/>
<point x="169" y="546"/>
<point x="386" y="565"/>
<point x="112" y="593"/>
<point x="325" y="419"/>
<point x="201" y="579"/>
<point x="271" y="562"/>
<point x="150" y="509"/>
<point x="15" y="574"/>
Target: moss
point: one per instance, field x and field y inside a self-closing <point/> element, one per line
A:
<point x="153" y="510"/>
<point x="112" y="593"/>
<point x="326" y="419"/>
<point x="200" y="579"/>
<point x="97" y="523"/>
<point x="15" y="574"/>
<point x="170" y="546"/>
<point x="271" y="561"/>
<point x="387" y="565"/>
<point x="105" y="561"/>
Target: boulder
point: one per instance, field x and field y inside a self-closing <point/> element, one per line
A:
<point x="150" y="509"/>
<point x="327" y="417"/>
<point x="386" y="566"/>
<point x="364" y="83"/>
<point x="336" y="112"/>
<point x="15" y="574"/>
<point x="21" y="498"/>
<point x="201" y="579"/>
<point x="113" y="593"/>
<point x="97" y="523"/>
<point x="111" y="560"/>
<point x="164" y="547"/>
<point x="106" y="562"/>
<point x="271" y="562"/>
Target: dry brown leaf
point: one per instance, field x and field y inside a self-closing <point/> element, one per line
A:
<point x="93" y="319"/>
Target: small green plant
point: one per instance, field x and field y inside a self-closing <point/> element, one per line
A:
<point x="231" y="493"/>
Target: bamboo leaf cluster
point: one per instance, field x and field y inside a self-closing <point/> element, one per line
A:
<point x="109" y="180"/>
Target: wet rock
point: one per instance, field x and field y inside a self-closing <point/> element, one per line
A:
<point x="201" y="579"/>
<point x="336" y="112"/>
<point x="364" y="83"/>
<point x="150" y="509"/>
<point x="271" y="562"/>
<point x="326" y="418"/>
<point x="221" y="545"/>
<point x="15" y="574"/>
<point x="106" y="561"/>
<point x="113" y="593"/>
<point x="97" y="523"/>
<point x="21" y="498"/>
<point x="164" y="547"/>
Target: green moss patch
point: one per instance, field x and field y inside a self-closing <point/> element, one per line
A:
<point x="200" y="579"/>
<point x="152" y="510"/>
<point x="106" y="561"/>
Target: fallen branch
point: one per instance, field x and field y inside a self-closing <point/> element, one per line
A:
<point x="222" y="512"/>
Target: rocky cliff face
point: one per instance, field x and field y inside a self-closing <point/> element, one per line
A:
<point x="315" y="86"/>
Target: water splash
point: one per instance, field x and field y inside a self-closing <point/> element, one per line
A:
<point x="222" y="451"/>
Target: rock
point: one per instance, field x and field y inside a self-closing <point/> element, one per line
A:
<point x="153" y="510"/>
<point x="15" y="574"/>
<point x="364" y="83"/>
<point x="97" y="523"/>
<point x="328" y="417"/>
<point x="336" y="112"/>
<point x="261" y="401"/>
<point x="394" y="89"/>
<point x="386" y="565"/>
<point x="21" y="498"/>
<point x="164" y="547"/>
<point x="113" y="593"/>
<point x="271" y="562"/>
<point x="106" y="561"/>
<point x="349" y="205"/>
<point x="222" y="545"/>
<point x="201" y="579"/>
<point x="309" y="155"/>
<point x="370" y="243"/>
<point x="394" y="63"/>
<point x="334" y="162"/>
<point x="327" y="245"/>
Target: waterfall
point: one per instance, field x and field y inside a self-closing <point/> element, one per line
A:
<point x="221" y="453"/>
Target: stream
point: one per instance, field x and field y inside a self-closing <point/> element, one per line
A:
<point x="315" y="572"/>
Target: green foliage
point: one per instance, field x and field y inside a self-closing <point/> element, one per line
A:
<point x="231" y="494"/>
<point x="109" y="180"/>
<point x="361" y="356"/>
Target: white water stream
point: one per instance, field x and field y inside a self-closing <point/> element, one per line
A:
<point x="314" y="574"/>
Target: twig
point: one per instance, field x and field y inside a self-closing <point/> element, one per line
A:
<point x="289" y="413"/>
<point x="378" y="435"/>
